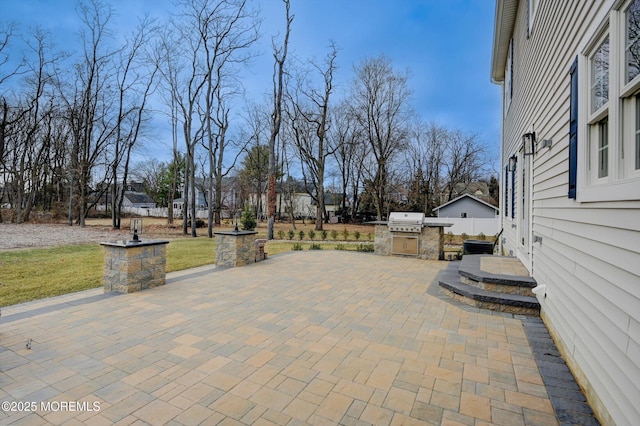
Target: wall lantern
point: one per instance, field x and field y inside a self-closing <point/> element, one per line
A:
<point x="136" y="230"/>
<point x="513" y="160"/>
<point x="529" y="143"/>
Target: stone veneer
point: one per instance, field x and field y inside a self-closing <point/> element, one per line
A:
<point x="134" y="266"/>
<point x="430" y="241"/>
<point x="235" y="248"/>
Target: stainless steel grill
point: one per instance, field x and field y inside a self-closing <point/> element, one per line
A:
<point x="405" y="222"/>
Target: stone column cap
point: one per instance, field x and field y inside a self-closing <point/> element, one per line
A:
<point x="132" y="244"/>
<point x="235" y="233"/>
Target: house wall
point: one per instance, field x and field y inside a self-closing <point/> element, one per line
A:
<point x="589" y="255"/>
<point x="469" y="206"/>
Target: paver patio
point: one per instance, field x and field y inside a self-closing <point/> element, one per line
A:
<point x="319" y="337"/>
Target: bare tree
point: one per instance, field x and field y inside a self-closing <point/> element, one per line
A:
<point x="135" y="82"/>
<point x="380" y="102"/>
<point x="350" y="150"/>
<point x="88" y="102"/>
<point x="310" y="121"/>
<point x="208" y="38"/>
<point x="280" y="56"/>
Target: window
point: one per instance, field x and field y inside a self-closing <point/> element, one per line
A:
<point x="508" y="73"/>
<point x="603" y="148"/>
<point x="600" y="76"/>
<point x="632" y="41"/>
<point x="609" y="164"/>
<point x="531" y="13"/>
<point x="599" y="111"/>
<point x="463" y="215"/>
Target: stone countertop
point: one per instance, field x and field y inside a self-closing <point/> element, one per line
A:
<point x="426" y="224"/>
<point x="132" y="244"/>
<point x="235" y="233"/>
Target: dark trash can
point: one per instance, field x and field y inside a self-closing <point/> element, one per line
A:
<point x="477" y="247"/>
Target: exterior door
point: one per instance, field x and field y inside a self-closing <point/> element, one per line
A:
<point x="524" y="210"/>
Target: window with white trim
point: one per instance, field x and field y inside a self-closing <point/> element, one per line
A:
<point x="599" y="110"/>
<point x="630" y="92"/>
<point x="532" y="5"/>
<point x="609" y="165"/>
<point x="508" y="79"/>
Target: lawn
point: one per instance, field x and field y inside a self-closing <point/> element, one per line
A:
<point x="38" y="273"/>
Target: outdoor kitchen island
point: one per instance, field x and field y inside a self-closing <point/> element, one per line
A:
<point x="409" y="234"/>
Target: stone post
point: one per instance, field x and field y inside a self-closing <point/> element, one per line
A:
<point x="235" y="248"/>
<point x="134" y="266"/>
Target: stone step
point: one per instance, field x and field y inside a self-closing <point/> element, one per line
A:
<point x="471" y="274"/>
<point x="451" y="285"/>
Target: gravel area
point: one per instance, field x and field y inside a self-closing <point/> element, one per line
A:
<point x="28" y="235"/>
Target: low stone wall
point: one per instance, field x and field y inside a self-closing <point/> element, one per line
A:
<point x="430" y="241"/>
<point x="132" y="267"/>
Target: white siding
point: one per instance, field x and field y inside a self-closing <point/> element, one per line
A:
<point x="589" y="257"/>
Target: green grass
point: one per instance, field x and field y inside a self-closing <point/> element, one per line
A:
<point x="38" y="273"/>
<point x="35" y="274"/>
<point x="188" y="253"/>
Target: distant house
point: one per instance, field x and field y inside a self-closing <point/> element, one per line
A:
<point x="467" y="206"/>
<point x="570" y="182"/>
<point x="469" y="215"/>
<point x="138" y="199"/>
<point x="480" y="190"/>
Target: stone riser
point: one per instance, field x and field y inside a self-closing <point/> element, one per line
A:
<point x="500" y="288"/>
<point x="516" y="310"/>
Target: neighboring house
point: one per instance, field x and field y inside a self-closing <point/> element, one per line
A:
<point x="138" y="199"/>
<point x="479" y="190"/>
<point x="467" y="206"/>
<point x="570" y="78"/>
<point x="468" y="215"/>
<point x="332" y="204"/>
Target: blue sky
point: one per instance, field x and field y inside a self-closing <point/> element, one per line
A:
<point x="444" y="44"/>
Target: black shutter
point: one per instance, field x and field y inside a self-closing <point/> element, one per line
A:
<point x="513" y="191"/>
<point x="506" y="191"/>
<point x="573" y="131"/>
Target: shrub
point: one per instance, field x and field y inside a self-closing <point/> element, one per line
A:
<point x="334" y="234"/>
<point x="481" y="236"/>
<point x="357" y="235"/>
<point x="365" y="248"/>
<point x="449" y="237"/>
<point x="301" y="235"/>
<point x="315" y="247"/>
<point x="248" y="220"/>
<point x="340" y="247"/>
<point x="281" y="234"/>
<point x="369" y="236"/>
<point x="291" y="234"/>
<point x="345" y="233"/>
<point x="311" y="234"/>
<point x="297" y="246"/>
<point x="465" y="236"/>
<point x="323" y="234"/>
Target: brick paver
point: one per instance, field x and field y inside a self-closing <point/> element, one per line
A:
<point x="307" y="337"/>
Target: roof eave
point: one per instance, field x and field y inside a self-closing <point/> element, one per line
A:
<point x="505" y="18"/>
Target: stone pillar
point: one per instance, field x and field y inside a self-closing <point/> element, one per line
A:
<point x="431" y="245"/>
<point x="382" y="240"/>
<point x="235" y="248"/>
<point x="134" y="266"/>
